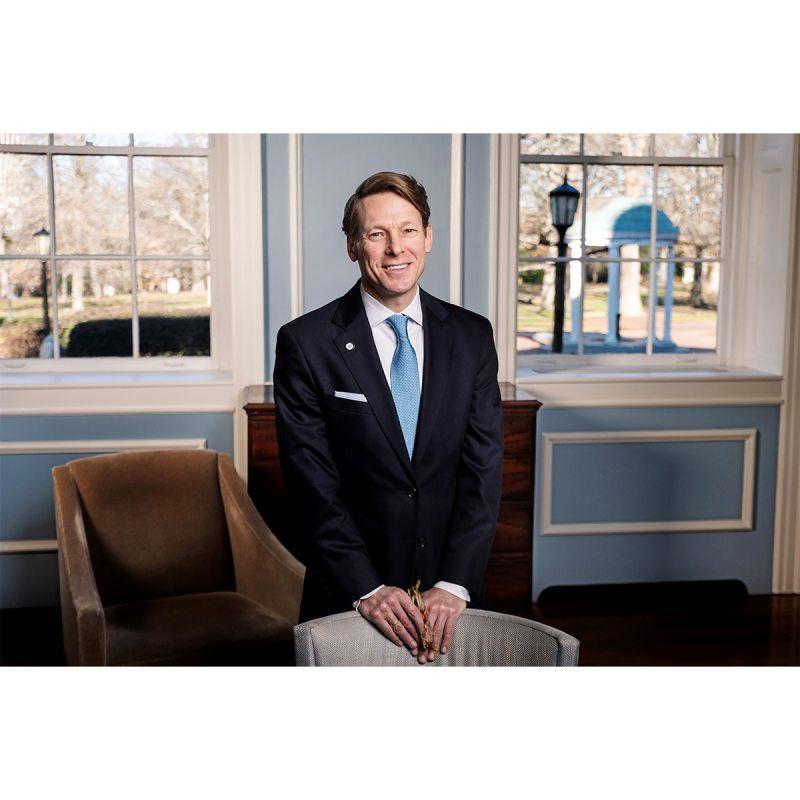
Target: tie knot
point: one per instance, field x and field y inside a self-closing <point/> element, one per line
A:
<point x="399" y="323"/>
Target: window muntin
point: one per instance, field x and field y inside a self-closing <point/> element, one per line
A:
<point x="618" y="309"/>
<point x="104" y="240"/>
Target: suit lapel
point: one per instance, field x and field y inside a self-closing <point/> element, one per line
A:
<point x="365" y="365"/>
<point x="436" y="369"/>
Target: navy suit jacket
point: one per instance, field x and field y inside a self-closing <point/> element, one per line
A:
<point x="368" y="514"/>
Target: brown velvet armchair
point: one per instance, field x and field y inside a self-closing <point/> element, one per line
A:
<point x="163" y="559"/>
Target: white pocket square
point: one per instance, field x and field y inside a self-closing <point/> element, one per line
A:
<point x="351" y="396"/>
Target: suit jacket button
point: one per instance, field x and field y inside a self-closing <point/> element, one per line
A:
<point x="421" y="542"/>
<point x="412" y="493"/>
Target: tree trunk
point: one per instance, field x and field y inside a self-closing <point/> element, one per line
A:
<point x="696" y="295"/>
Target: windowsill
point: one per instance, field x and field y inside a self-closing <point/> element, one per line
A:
<point x="606" y="374"/>
<point x="87" y="380"/>
<point x="618" y="387"/>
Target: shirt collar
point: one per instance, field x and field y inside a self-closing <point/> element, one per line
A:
<point x="377" y="311"/>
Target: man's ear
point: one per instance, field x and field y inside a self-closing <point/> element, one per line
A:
<point x="428" y="239"/>
<point x="352" y="250"/>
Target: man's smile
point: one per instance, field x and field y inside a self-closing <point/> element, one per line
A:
<point x="395" y="267"/>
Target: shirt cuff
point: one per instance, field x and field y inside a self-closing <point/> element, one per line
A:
<point x="365" y="596"/>
<point x="453" y="588"/>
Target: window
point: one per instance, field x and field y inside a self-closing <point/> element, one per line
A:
<point x="643" y="260"/>
<point x="105" y="249"/>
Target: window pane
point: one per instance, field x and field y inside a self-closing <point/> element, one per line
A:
<point x="536" y="232"/>
<point x="24" y="138"/>
<point x="91" y="204"/>
<point x="688" y="144"/>
<point x="686" y="316"/>
<point x="171" y="205"/>
<point x="535" y="310"/>
<point x="551" y="144"/>
<point x="23" y="311"/>
<point x="617" y="213"/>
<point x="615" y="305"/>
<point x="692" y="198"/>
<point x="23" y="201"/>
<point x="170" y="139"/>
<point x="97" y="139"/>
<point x="618" y="208"/>
<point x="174" y="308"/>
<point x="616" y="144"/>
<point x="618" y="218"/>
<point x="94" y="309"/>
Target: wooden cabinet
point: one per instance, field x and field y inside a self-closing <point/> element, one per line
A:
<point x="509" y="574"/>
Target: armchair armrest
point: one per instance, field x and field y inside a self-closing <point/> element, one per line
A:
<point x="265" y="570"/>
<point x="82" y="611"/>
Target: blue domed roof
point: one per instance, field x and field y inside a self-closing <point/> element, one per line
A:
<point x="622" y="219"/>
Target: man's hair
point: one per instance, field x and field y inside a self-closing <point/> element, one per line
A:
<point x="403" y="185"/>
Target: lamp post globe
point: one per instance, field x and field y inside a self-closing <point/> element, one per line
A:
<point x="563" y="204"/>
<point x="42" y="238"/>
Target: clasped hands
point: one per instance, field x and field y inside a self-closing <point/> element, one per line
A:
<point x="393" y="612"/>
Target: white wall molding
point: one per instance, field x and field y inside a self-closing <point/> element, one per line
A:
<point x="246" y="247"/>
<point x="296" y="223"/>
<point x="743" y="523"/>
<point x="456" y="218"/>
<point x="93" y="411"/>
<point x="494" y="209"/>
<point x="98" y="446"/>
<point x="28" y="546"/>
<point x="786" y="553"/>
<point x="507" y="237"/>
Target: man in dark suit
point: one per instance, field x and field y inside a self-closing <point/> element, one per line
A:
<point x="390" y="431"/>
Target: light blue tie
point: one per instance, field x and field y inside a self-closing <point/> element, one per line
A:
<point x="405" y="380"/>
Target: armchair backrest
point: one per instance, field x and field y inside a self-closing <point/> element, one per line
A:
<point x="482" y="639"/>
<point x="154" y="522"/>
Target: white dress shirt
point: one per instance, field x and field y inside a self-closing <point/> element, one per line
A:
<point x="386" y="343"/>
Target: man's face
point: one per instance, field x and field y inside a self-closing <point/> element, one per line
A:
<point x="391" y="248"/>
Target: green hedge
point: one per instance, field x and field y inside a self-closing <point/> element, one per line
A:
<point x="158" y="336"/>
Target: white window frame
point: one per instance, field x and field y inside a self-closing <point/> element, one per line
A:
<point x="220" y="321"/>
<point x="508" y="164"/>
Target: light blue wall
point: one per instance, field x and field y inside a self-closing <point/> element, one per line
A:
<point x="647" y="481"/>
<point x="26" y="484"/>
<point x="475" y="239"/>
<point x="671" y="481"/>
<point x="333" y="165"/>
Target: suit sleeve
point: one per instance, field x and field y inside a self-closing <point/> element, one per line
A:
<point x="312" y="478"/>
<point x="480" y="474"/>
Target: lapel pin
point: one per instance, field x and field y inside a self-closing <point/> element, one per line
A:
<point x="350" y="346"/>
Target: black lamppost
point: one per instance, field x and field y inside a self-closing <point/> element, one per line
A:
<point x="563" y="202"/>
<point x="42" y="237"/>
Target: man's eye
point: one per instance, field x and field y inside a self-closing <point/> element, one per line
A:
<point x="410" y="230"/>
<point x="375" y="234"/>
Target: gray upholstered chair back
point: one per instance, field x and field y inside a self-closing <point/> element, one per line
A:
<point x="483" y="639"/>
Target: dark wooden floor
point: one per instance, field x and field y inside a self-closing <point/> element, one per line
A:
<point x="676" y="624"/>
<point x="637" y="625"/>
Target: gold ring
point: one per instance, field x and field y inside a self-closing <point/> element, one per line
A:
<point x="396" y="623"/>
